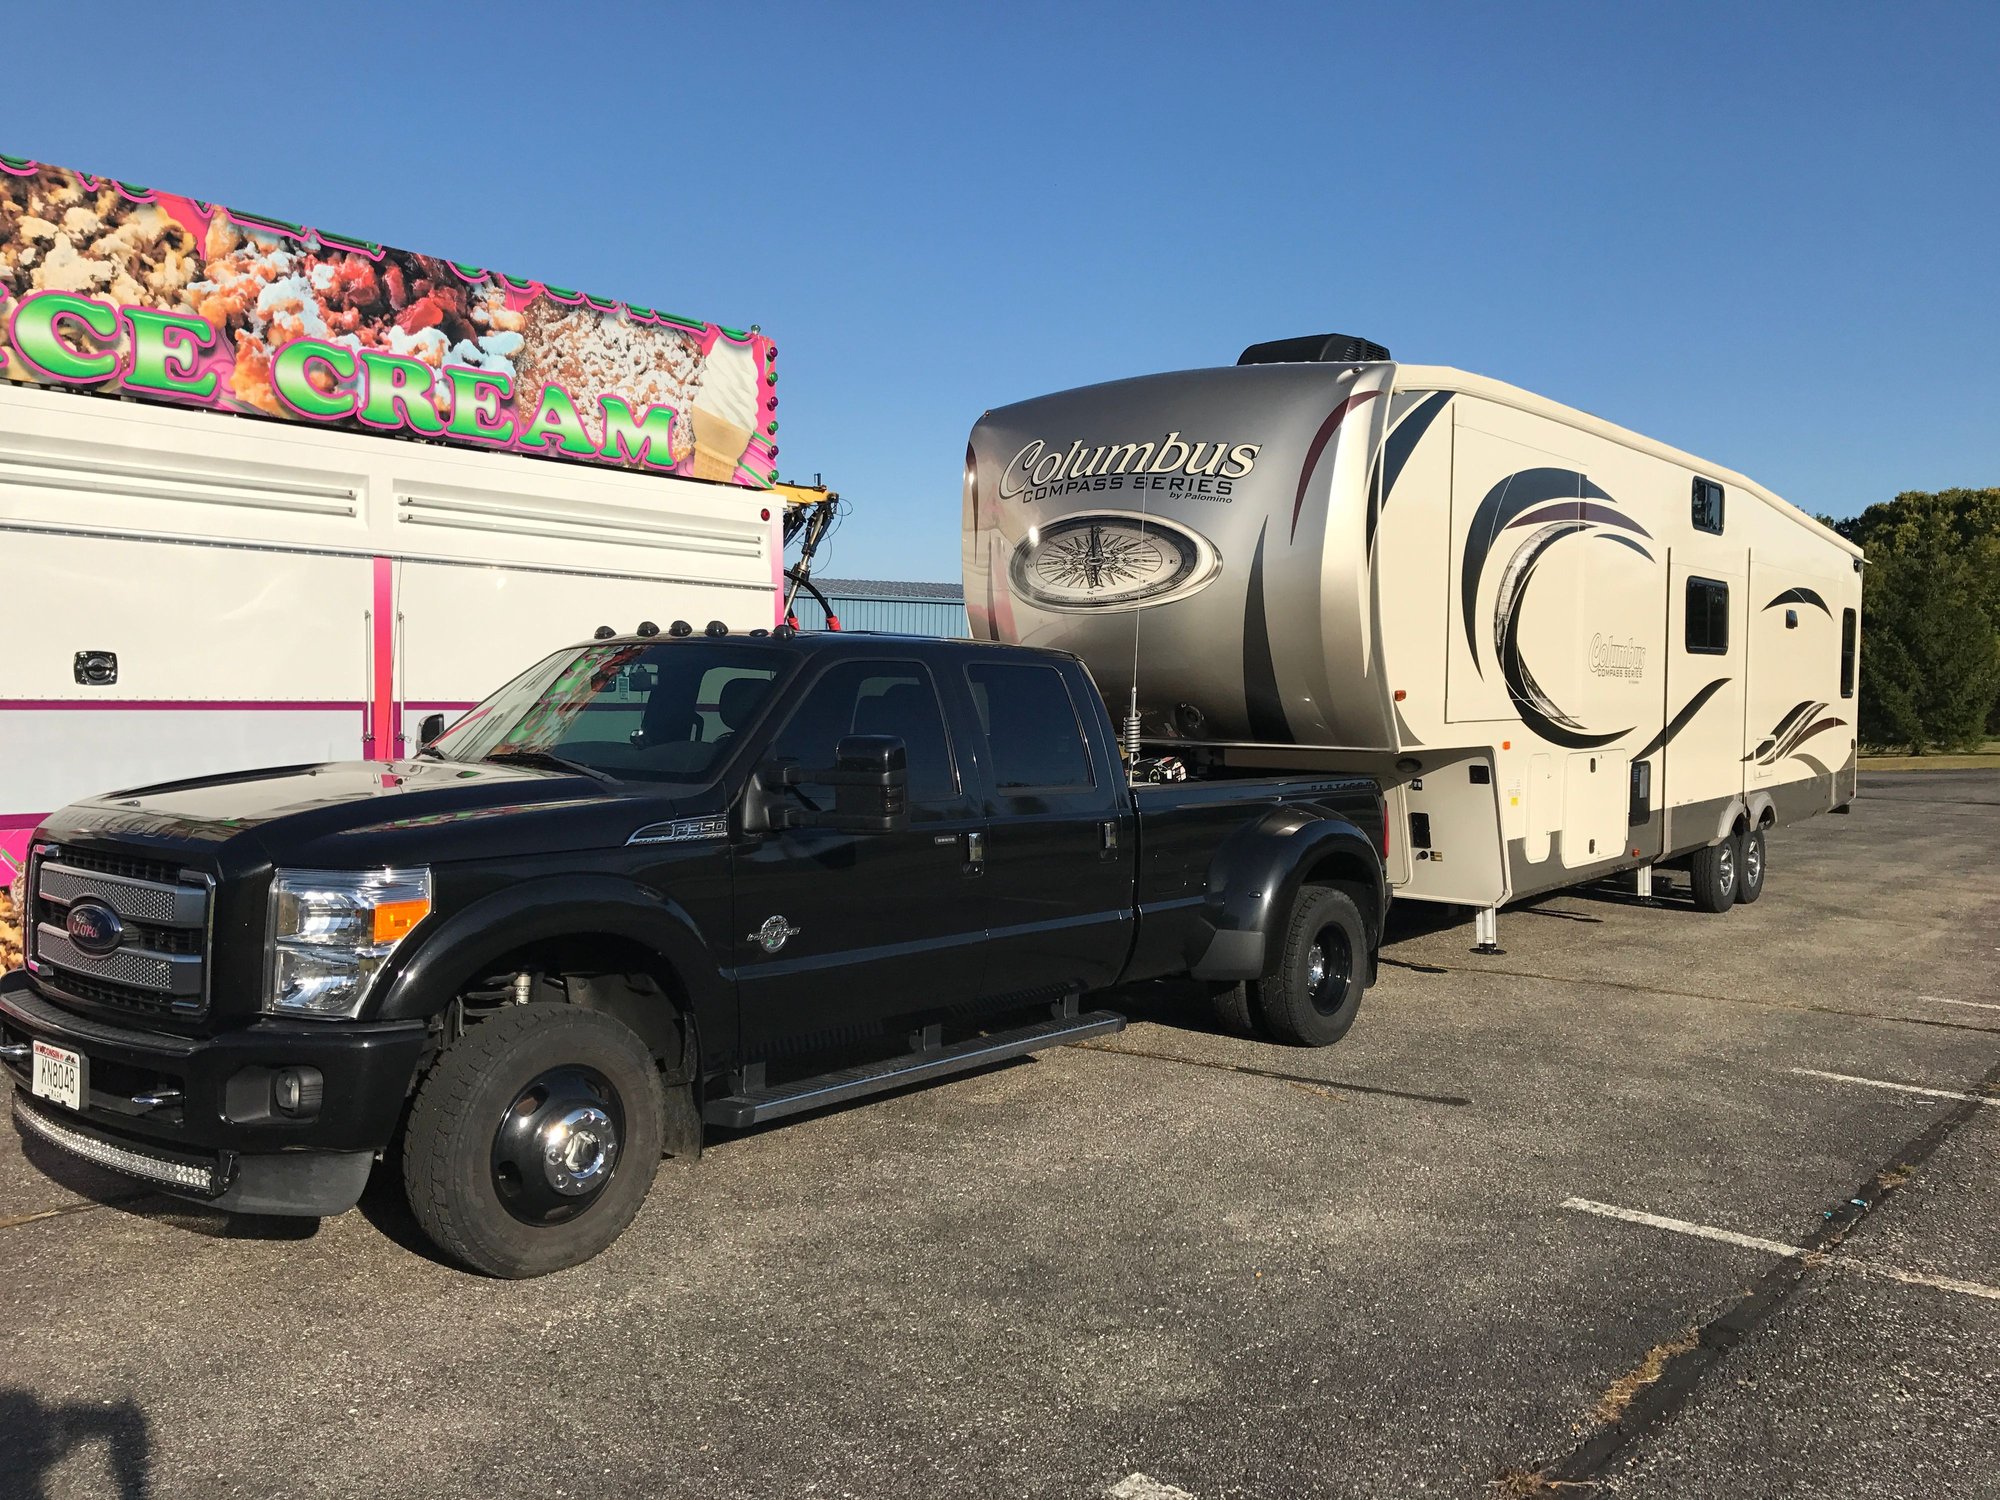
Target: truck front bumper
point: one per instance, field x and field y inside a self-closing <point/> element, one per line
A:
<point x="200" y="1116"/>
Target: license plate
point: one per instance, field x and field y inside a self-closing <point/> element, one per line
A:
<point x="60" y="1075"/>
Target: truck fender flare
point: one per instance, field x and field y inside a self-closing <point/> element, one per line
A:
<point x="1255" y="879"/>
<point x="552" y="908"/>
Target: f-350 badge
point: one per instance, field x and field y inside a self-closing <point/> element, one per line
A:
<point x="774" y="934"/>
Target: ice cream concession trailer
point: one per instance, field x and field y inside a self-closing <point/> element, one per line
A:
<point x="214" y="553"/>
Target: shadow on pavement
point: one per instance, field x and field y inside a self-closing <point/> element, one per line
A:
<point x="128" y="1195"/>
<point x="36" y="1436"/>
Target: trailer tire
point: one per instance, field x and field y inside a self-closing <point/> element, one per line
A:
<point x="1314" y="995"/>
<point x="533" y="1140"/>
<point x="1751" y="867"/>
<point x="1714" y="873"/>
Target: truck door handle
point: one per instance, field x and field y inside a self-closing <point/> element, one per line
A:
<point x="1107" y="847"/>
<point x="975" y="852"/>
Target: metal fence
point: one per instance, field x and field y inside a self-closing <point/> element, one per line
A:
<point x="939" y="611"/>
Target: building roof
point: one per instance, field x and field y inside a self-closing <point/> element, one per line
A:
<point x="891" y="588"/>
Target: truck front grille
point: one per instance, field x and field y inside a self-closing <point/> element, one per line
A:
<point x="160" y="965"/>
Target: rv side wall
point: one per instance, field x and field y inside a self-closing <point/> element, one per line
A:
<point x="1643" y="685"/>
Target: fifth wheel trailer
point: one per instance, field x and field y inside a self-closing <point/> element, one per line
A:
<point x="1565" y="649"/>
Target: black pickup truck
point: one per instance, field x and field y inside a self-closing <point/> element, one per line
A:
<point x="655" y="882"/>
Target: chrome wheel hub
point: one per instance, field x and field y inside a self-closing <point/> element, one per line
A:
<point x="579" y="1150"/>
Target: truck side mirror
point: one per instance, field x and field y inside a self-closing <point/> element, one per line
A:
<point x="870" y="780"/>
<point x="430" y="729"/>
<point x="871" y="784"/>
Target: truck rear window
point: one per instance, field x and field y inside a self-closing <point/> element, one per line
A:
<point x="1033" y="737"/>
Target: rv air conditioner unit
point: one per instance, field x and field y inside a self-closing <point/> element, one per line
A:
<point x="1315" y="349"/>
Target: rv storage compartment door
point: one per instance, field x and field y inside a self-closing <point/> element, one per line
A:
<point x="1596" y="803"/>
<point x="1459" y="799"/>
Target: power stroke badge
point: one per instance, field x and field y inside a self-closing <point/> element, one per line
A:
<point x="774" y="934"/>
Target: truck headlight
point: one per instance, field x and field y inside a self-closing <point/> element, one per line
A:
<point x="331" y="930"/>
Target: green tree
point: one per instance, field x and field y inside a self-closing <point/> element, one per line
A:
<point x="1930" y="656"/>
<point x="1930" y="659"/>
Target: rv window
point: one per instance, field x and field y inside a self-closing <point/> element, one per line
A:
<point x="1032" y="734"/>
<point x="1848" y="624"/>
<point x="1707" y="617"/>
<point x="1708" y="506"/>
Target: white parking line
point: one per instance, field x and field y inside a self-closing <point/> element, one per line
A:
<point x="1947" y="1000"/>
<point x="1779" y="1247"/>
<point x="1901" y="1088"/>
<point x="1682" y="1226"/>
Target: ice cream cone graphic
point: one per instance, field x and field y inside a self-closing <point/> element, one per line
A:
<point x="725" y="408"/>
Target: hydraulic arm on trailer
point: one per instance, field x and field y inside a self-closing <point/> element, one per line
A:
<point x="811" y="513"/>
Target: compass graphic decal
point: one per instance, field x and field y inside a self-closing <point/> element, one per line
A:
<point x="1111" y="560"/>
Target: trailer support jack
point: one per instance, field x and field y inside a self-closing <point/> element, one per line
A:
<point x="1486" y="931"/>
<point x="1643" y="882"/>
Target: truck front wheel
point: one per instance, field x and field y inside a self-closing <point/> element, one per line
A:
<point x="1315" y="994"/>
<point x="533" y="1140"/>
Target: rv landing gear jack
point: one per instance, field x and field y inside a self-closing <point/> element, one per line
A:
<point x="1486" y="931"/>
<point x="1643" y="882"/>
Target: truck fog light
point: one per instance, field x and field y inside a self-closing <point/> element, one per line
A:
<point x="296" y="1092"/>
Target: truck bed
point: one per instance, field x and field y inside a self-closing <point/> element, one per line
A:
<point x="1183" y="824"/>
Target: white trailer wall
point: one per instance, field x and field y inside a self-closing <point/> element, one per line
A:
<point x="277" y="594"/>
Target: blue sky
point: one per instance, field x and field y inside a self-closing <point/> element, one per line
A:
<point x="1768" y="234"/>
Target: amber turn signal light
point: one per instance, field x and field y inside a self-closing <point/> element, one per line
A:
<point x="394" y="919"/>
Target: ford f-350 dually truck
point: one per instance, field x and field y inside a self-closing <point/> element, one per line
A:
<point x="655" y="882"/>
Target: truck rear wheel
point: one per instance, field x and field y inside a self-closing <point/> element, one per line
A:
<point x="1233" y="1011"/>
<point x="533" y="1140"/>
<point x="1315" y="994"/>
<point x="1714" y="872"/>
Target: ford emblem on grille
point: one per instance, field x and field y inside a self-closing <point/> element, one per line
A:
<point x="94" y="928"/>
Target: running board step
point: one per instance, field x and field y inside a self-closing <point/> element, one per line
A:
<point x="753" y="1106"/>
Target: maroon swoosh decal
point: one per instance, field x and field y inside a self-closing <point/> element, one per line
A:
<point x="1821" y="726"/>
<point x="1578" y="510"/>
<point x="1320" y="439"/>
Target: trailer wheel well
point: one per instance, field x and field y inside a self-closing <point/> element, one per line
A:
<point x="1352" y="875"/>
<point x="598" y="971"/>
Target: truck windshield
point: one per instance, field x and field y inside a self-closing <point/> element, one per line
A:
<point x="661" y="711"/>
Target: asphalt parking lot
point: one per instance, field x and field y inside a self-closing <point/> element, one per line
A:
<point x="1657" y="1202"/>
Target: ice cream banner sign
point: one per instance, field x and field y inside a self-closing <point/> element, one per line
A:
<point x="111" y="287"/>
